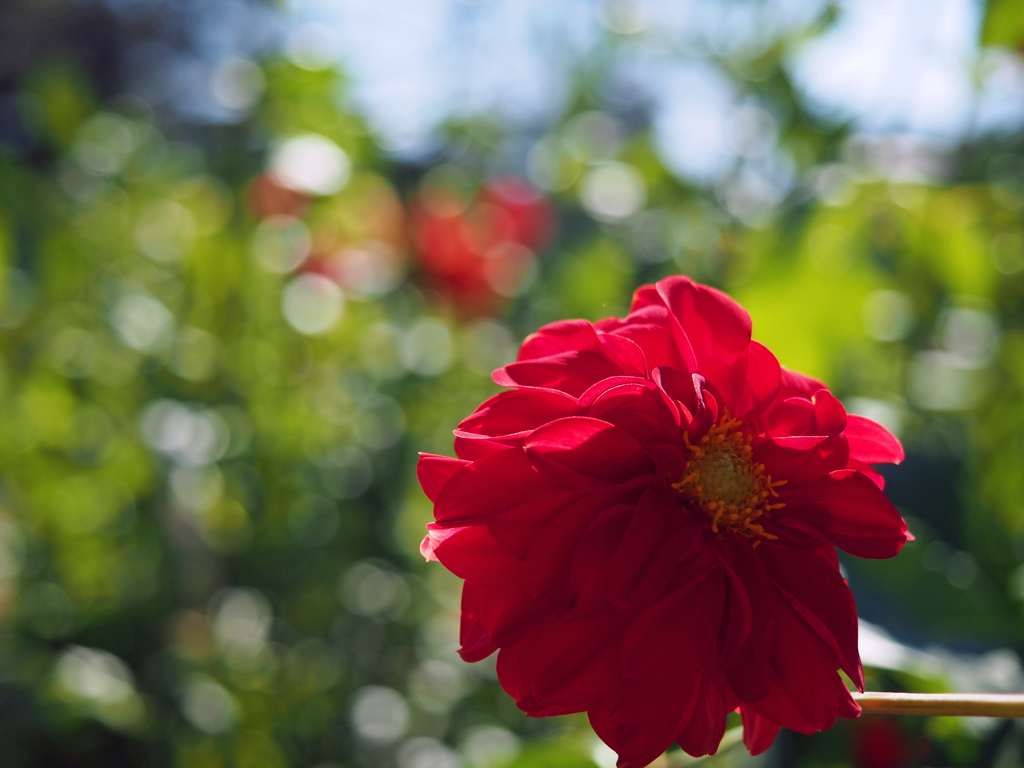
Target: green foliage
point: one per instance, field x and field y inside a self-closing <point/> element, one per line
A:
<point x="1003" y="24"/>
<point x="552" y="754"/>
<point x="594" y="282"/>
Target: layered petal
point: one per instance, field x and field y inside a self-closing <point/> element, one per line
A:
<point x="758" y="732"/>
<point x="559" y="337"/>
<point x="704" y="732"/>
<point x="807" y="697"/>
<point x="852" y="513"/>
<point x="716" y="330"/>
<point x="434" y="472"/>
<point x="588" y="454"/>
<point x="516" y="411"/>
<point x="641" y="723"/>
<point x="570" y="372"/>
<point x="483" y="488"/>
<point x="568" y="663"/>
<point x="762" y="380"/>
<point x="811" y="583"/>
<point x="474" y="643"/>
<point x="801" y="460"/>
<point x="872" y="443"/>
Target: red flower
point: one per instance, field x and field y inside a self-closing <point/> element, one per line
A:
<point x="478" y="255"/>
<point x="646" y="526"/>
<point x="879" y="742"/>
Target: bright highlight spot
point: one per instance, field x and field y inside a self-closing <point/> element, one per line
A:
<point x="311" y="163"/>
<point x="312" y="304"/>
<point x="281" y="243"/>
<point x="613" y="191"/>
<point x="379" y="714"/>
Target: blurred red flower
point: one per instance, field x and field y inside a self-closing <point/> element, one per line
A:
<point x="480" y="254"/>
<point x="646" y="526"/>
<point x="879" y="742"/>
<point x="360" y="238"/>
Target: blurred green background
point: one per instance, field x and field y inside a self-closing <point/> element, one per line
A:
<point x="254" y="257"/>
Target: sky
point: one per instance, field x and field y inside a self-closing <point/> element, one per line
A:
<point x="912" y="66"/>
<point x="908" y="67"/>
<point x="890" y="66"/>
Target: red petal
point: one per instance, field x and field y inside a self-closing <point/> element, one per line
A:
<point x="508" y="674"/>
<point x="550" y="556"/>
<point x="508" y="669"/>
<point x="853" y="513"/>
<point x="871" y="442"/>
<point x="796" y="384"/>
<point x="434" y="472"/>
<point x="758" y="732"/>
<point x="810" y="579"/>
<point x="795" y="532"/>
<point x="763" y="379"/>
<point x="435" y="535"/>
<point x="559" y="337"/>
<point x="807" y="700"/>
<point x="472" y="447"/>
<point x="645" y="296"/>
<point x="569" y="663"/>
<point x="751" y="598"/>
<point x="792" y="416"/>
<point x="868" y="471"/>
<point x="616" y="386"/>
<point x="519" y="529"/>
<point x="588" y="454"/>
<point x="534" y="708"/>
<point x="680" y="387"/>
<point x="829" y="414"/>
<point x="656" y="336"/>
<point x="588" y="574"/>
<point x="626" y="354"/>
<point x="572" y="371"/>
<point x="499" y="482"/>
<point x="848" y="707"/>
<point x="509" y="612"/>
<point x="718" y="331"/>
<point x="671" y="642"/>
<point x="609" y="324"/>
<point x="476" y="644"/>
<point x="637" y="405"/>
<point x="641" y="723"/>
<point x="472" y="553"/>
<point x="792" y="443"/>
<point x="510" y="412"/>
<point x="704" y="732"/>
<point x="650" y="549"/>
<point x="802" y="460"/>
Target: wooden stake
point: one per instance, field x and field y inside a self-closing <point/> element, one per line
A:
<point x="942" y="704"/>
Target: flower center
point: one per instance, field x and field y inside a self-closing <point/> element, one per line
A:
<point x="722" y="479"/>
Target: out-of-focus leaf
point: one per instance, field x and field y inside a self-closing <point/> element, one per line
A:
<point x="1003" y="24"/>
<point x="556" y="753"/>
<point x="56" y="100"/>
<point x="594" y="282"/>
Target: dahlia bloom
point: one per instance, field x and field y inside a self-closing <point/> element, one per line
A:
<point x="646" y="524"/>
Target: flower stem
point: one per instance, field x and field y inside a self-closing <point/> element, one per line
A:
<point x="873" y="703"/>
<point x="942" y="704"/>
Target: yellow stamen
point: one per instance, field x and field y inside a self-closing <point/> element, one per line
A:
<point x="721" y="479"/>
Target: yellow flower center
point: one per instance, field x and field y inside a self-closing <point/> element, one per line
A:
<point x="722" y="479"/>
